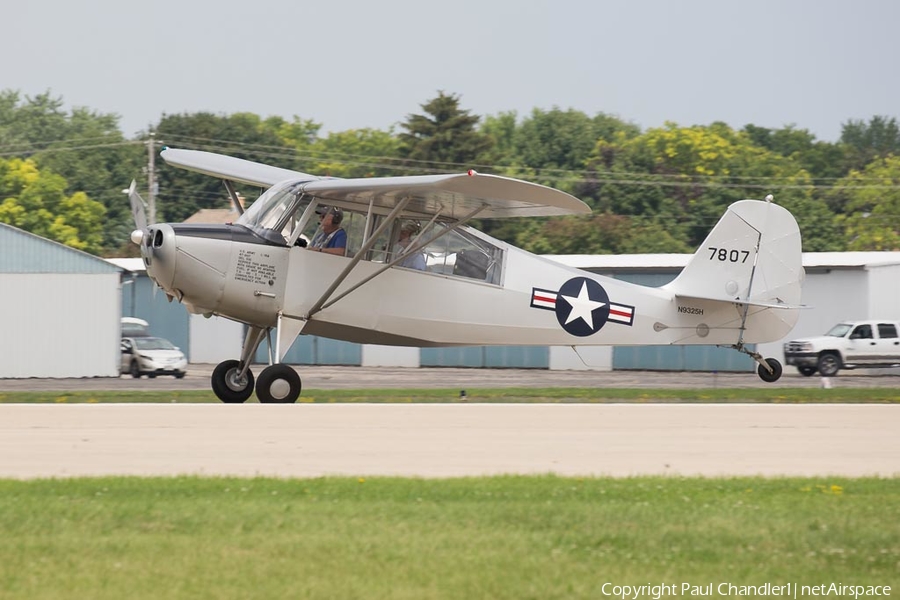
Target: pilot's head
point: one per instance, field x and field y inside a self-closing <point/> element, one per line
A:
<point x="337" y="215"/>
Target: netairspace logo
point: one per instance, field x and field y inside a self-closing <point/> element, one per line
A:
<point x="787" y="590"/>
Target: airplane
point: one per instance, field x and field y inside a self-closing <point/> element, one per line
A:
<point x="742" y="286"/>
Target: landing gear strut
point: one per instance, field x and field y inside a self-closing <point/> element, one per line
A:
<point x="769" y="369"/>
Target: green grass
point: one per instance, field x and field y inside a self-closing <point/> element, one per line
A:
<point x="510" y="395"/>
<point x="503" y="537"/>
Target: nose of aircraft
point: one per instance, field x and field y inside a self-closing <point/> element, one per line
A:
<point x="158" y="251"/>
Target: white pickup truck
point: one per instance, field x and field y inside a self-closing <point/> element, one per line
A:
<point x="849" y="345"/>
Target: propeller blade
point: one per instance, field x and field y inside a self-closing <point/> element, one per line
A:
<point x="138" y="211"/>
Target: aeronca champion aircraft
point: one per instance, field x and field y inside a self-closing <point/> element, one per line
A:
<point x="391" y="261"/>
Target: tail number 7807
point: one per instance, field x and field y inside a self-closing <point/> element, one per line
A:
<point x="728" y="255"/>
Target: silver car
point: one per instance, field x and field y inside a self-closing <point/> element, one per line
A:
<point x="151" y="356"/>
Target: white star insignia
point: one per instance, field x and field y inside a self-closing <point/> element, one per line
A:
<point x="582" y="306"/>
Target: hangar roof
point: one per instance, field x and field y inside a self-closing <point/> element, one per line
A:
<point x="24" y="252"/>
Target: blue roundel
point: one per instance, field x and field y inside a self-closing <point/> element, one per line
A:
<point x="582" y="306"/>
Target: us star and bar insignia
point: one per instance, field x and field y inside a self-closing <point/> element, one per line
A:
<point x="582" y="306"/>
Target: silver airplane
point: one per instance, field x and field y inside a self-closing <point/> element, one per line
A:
<point x="391" y="261"/>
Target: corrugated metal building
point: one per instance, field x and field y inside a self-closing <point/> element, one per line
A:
<point x="838" y="286"/>
<point x="59" y="309"/>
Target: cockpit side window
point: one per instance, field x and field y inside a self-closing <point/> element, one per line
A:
<point x="462" y="254"/>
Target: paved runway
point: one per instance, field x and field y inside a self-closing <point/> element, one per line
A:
<point x="305" y="440"/>
<point x="332" y="378"/>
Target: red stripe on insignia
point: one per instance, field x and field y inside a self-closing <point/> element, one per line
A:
<point x="544" y="298"/>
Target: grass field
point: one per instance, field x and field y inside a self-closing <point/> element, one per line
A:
<point x="503" y="537"/>
<point x="512" y="395"/>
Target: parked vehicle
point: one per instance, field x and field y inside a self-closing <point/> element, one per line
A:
<point x="132" y="327"/>
<point x="848" y="345"/>
<point x="151" y="356"/>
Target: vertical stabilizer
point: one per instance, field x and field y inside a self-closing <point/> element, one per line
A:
<point x="752" y="257"/>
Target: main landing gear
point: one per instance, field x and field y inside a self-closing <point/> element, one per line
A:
<point x="233" y="382"/>
<point x="276" y="384"/>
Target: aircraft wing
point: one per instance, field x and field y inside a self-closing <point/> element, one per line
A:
<point x="451" y="195"/>
<point x="229" y="167"/>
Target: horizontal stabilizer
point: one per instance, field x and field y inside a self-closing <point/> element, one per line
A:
<point x="776" y="304"/>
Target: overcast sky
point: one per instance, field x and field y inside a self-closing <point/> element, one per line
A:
<point x="355" y="64"/>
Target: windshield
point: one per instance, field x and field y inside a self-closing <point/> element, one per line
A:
<point x="275" y="214"/>
<point x="153" y="343"/>
<point x="839" y="330"/>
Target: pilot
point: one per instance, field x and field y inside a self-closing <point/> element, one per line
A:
<point x="330" y="237"/>
<point x="415" y="260"/>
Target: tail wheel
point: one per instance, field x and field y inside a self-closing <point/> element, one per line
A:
<point x="829" y="364"/>
<point x="807" y="371"/>
<point x="135" y="369"/>
<point x="278" y="384"/>
<point x="227" y="383"/>
<point x="764" y="373"/>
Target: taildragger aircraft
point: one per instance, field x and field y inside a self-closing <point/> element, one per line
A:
<point x="391" y="261"/>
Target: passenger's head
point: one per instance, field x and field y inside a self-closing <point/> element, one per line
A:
<point x="409" y="228"/>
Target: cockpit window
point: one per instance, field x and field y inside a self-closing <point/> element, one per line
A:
<point x="275" y="214"/>
<point x="463" y="254"/>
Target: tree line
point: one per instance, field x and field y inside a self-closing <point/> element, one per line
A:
<point x="651" y="190"/>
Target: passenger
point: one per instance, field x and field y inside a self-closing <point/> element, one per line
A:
<point x="330" y="237"/>
<point x="415" y="260"/>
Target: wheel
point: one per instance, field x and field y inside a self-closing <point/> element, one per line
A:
<point x="151" y="375"/>
<point x="829" y="364"/>
<point x="807" y="371"/>
<point x="278" y="384"/>
<point x="775" y="375"/>
<point x="179" y="375"/>
<point x="135" y="369"/>
<point x="228" y="386"/>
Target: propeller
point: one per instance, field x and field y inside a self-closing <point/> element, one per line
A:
<point x="138" y="213"/>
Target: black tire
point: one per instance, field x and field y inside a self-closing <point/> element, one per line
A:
<point x="135" y="369"/>
<point x="226" y="385"/>
<point x="151" y="375"/>
<point x="278" y="384"/>
<point x="772" y="377"/>
<point x="829" y="364"/>
<point x="807" y="371"/>
<point x="179" y="375"/>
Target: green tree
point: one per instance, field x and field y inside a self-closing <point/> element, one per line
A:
<point x="242" y="135"/>
<point x="357" y="153"/>
<point x="444" y="138"/>
<point x="866" y="142"/>
<point x="35" y="201"/>
<point x="85" y="147"/>
<point x="873" y="206"/>
<point x="683" y="178"/>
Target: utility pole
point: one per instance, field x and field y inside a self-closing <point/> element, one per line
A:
<point x="151" y="179"/>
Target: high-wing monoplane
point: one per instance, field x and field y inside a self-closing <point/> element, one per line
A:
<point x="449" y="285"/>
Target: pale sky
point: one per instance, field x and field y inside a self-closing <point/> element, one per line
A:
<point x="354" y="64"/>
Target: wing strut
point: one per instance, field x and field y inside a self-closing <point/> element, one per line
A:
<point x="359" y="255"/>
<point x="233" y="195"/>
<point x="413" y="248"/>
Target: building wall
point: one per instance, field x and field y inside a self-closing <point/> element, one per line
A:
<point x="214" y="339"/>
<point x="59" y="325"/>
<point x="884" y="292"/>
